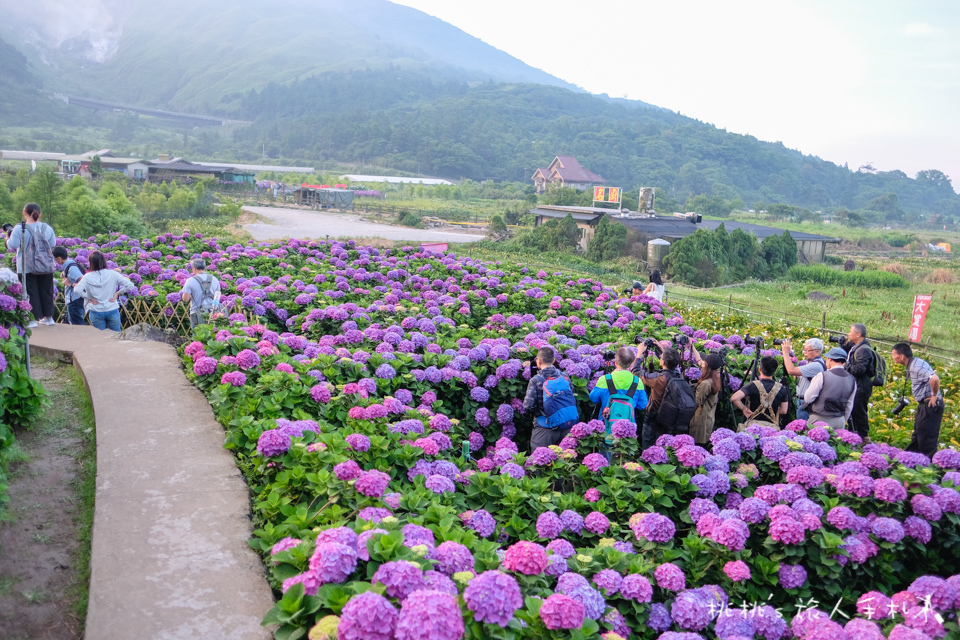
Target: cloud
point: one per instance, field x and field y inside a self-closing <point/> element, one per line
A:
<point x="89" y="30"/>
<point x="919" y="30"/>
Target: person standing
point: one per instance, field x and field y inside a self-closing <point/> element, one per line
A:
<point x="34" y="241"/>
<point x="862" y="365"/>
<point x="71" y="275"/>
<point x="619" y="393"/>
<point x="925" y="386"/>
<point x="831" y="394"/>
<point x="202" y="291"/>
<point x="766" y="398"/>
<point x="655" y="384"/>
<point x="101" y="288"/>
<point x="804" y="373"/>
<point x="707" y="393"/>
<point x="550" y="397"/>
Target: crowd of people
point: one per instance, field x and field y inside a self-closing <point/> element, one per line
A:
<point x="91" y="294"/>
<point x="832" y="388"/>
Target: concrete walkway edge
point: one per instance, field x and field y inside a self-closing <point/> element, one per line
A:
<point x="169" y="557"/>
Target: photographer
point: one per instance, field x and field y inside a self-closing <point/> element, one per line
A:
<point x="707" y="394"/>
<point x="831" y="394"/>
<point x="862" y="365"/>
<point x="766" y="398"/>
<point x="550" y="396"/>
<point x="925" y="386"/>
<point x="655" y="384"/>
<point x="812" y="349"/>
<point x="619" y="393"/>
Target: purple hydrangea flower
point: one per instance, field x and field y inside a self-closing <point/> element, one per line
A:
<point x="430" y="615"/>
<point x="493" y="597"/>
<point x="367" y="616"/>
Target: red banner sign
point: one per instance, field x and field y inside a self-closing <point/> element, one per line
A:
<point x="920" y="307"/>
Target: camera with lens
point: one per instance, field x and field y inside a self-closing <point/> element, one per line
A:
<point x="838" y="339"/>
<point x="777" y="341"/>
<point x="904" y="401"/>
<point x="7" y="228"/>
<point x="627" y="291"/>
<point x="756" y="341"/>
<point x="651" y="344"/>
<point x="681" y="339"/>
<point x="608" y="355"/>
<point x="720" y="351"/>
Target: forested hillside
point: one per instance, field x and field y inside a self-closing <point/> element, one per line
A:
<point x="408" y="120"/>
<point x="21" y="101"/>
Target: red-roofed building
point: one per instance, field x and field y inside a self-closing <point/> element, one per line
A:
<point x="566" y="172"/>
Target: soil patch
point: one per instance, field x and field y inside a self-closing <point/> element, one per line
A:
<point x="44" y="543"/>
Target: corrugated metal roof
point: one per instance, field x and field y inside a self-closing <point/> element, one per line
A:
<point x="30" y="155"/>
<point x="676" y="228"/>
<point x="394" y="179"/>
<point x="583" y="216"/>
<point x="261" y="167"/>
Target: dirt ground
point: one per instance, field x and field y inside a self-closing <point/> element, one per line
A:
<point x="39" y="529"/>
<point x="277" y="223"/>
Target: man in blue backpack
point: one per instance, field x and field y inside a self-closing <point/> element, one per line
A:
<point x="550" y="396"/>
<point x="619" y="393"/>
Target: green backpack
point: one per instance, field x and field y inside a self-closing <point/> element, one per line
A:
<point x="621" y="402"/>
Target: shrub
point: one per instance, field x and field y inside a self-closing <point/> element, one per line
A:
<point x="410" y="219"/>
<point x="940" y="276"/>
<point x="824" y="275"/>
<point x="898" y="240"/>
<point x="896" y="267"/>
<point x="849" y="265"/>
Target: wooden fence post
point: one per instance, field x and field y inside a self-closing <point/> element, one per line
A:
<point x="730" y="304"/>
<point x="824" y="324"/>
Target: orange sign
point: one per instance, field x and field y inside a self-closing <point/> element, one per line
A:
<point x="614" y="195"/>
<point x="598" y="194"/>
<point x="920" y="307"/>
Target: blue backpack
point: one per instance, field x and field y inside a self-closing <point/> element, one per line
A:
<point x="559" y="404"/>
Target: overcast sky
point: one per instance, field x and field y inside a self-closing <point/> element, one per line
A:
<point x="855" y="81"/>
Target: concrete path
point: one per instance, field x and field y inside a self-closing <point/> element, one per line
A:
<point x="169" y="557"/>
<point x="317" y="225"/>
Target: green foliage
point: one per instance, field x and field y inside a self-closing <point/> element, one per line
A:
<point x="824" y="275"/>
<point x="556" y="234"/>
<point x="711" y="258"/>
<point x="410" y="219"/>
<point x="608" y="242"/>
<point x="497" y="226"/>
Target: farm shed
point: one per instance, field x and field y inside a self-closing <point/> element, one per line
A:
<point x="587" y="219"/>
<point x="330" y="198"/>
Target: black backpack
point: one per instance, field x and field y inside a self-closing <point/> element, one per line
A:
<point x="678" y="405"/>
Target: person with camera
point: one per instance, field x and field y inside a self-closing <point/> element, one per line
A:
<point x="925" y="386"/>
<point x="34" y="241"/>
<point x="675" y="416"/>
<point x="831" y="394"/>
<point x="815" y="364"/>
<point x="619" y="393"/>
<point x="862" y="365"/>
<point x="707" y="394"/>
<point x="766" y="399"/>
<point x="550" y="396"/>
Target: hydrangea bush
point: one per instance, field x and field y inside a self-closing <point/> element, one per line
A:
<point x="350" y="404"/>
<point x="21" y="397"/>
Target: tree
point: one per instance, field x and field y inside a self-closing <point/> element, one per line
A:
<point x="44" y="189"/>
<point x="497" y="228"/>
<point x="609" y="241"/>
<point x="96" y="166"/>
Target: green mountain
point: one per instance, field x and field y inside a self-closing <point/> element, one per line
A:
<point x="21" y="100"/>
<point x="502" y="131"/>
<point x="371" y="82"/>
<point x="186" y="55"/>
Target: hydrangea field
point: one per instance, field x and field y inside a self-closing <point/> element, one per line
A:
<point x="21" y="397"/>
<point x="350" y="405"/>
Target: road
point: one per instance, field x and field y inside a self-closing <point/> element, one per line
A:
<point x="303" y="224"/>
